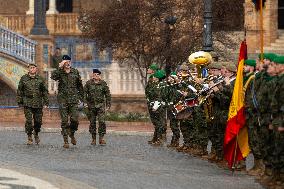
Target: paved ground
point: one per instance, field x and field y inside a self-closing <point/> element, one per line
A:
<point x="127" y="162"/>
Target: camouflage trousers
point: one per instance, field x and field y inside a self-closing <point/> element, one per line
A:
<point x="255" y="143"/>
<point x="33" y="119"/>
<point x="174" y="125"/>
<point x="158" y="118"/>
<point x="200" y="131"/>
<point x="278" y="151"/>
<point x="69" y="111"/>
<point x="186" y="127"/>
<point x="94" y="115"/>
<point x="216" y="130"/>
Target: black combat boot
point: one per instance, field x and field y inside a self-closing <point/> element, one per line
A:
<point x="101" y="140"/>
<point x="66" y="144"/>
<point x="73" y="140"/>
<point x="30" y="139"/>
<point x="37" y="140"/>
<point x="93" y="139"/>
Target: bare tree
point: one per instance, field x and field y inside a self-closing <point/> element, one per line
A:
<point x="138" y="34"/>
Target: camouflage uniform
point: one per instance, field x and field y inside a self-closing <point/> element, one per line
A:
<point x="32" y="94"/>
<point x="70" y="91"/>
<point x="265" y="85"/>
<point x="157" y="117"/>
<point x="278" y="121"/>
<point x="97" y="96"/>
<point x="171" y="96"/>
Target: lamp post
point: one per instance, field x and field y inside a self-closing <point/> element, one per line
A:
<point x="170" y="22"/>
<point x="207" y="32"/>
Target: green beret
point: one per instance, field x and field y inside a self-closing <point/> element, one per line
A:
<point x="154" y="67"/>
<point x="215" y="65"/>
<point x="279" y="60"/>
<point x="268" y="56"/>
<point x="173" y="73"/>
<point x="160" y="74"/>
<point x="250" y="62"/>
<point x="32" y="64"/>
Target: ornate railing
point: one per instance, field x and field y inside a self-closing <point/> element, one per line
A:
<point x="121" y="81"/>
<point x="16" y="23"/>
<point x="66" y="23"/>
<point x="17" y="45"/>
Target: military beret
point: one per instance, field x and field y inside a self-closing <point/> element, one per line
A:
<point x="215" y="65"/>
<point x="279" y="60"/>
<point x="231" y="68"/>
<point x="160" y="74"/>
<point x="97" y="71"/>
<point x="154" y="67"/>
<point x="184" y="67"/>
<point x="250" y="62"/>
<point x="173" y="73"/>
<point x="66" y="57"/>
<point x="32" y="64"/>
<point x="268" y="56"/>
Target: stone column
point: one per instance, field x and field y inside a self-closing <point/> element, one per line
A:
<point x="31" y="7"/>
<point x="39" y="27"/>
<point x="52" y="7"/>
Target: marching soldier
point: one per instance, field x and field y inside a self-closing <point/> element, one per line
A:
<point x="98" y="98"/>
<point x="32" y="94"/>
<point x="70" y="93"/>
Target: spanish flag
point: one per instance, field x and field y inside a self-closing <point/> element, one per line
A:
<point x="236" y="136"/>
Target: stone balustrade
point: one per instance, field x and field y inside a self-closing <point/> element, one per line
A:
<point x="17" y="45"/>
<point x="121" y="81"/>
<point x="57" y="24"/>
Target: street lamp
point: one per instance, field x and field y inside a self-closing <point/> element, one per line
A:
<point x="207" y="32"/>
<point x="170" y="22"/>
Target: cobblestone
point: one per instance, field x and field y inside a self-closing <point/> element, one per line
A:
<point x="126" y="162"/>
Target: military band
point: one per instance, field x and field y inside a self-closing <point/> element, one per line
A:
<point x="198" y="108"/>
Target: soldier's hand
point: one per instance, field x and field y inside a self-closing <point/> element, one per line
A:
<point x="45" y="107"/>
<point x="184" y="93"/>
<point x="61" y="64"/>
<point x="270" y="127"/>
<point x="281" y="129"/>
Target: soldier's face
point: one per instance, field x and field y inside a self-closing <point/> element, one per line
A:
<point x="150" y="71"/>
<point x="96" y="76"/>
<point x="32" y="70"/>
<point x="271" y="70"/>
<point x="67" y="64"/>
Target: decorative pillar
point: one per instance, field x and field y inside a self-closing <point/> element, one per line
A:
<point x="39" y="27"/>
<point x="31" y="7"/>
<point x="52" y="7"/>
<point x="207" y="32"/>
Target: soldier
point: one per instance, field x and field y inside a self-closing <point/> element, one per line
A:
<point x="277" y="106"/>
<point x="70" y="93"/>
<point x="56" y="58"/>
<point x="156" y="107"/>
<point x="97" y="96"/>
<point x="171" y="96"/>
<point x="32" y="94"/>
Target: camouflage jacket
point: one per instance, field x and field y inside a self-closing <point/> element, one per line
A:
<point x="277" y="103"/>
<point x="70" y="87"/>
<point x="170" y="94"/>
<point x="97" y="95"/>
<point x="152" y="92"/>
<point x="32" y="92"/>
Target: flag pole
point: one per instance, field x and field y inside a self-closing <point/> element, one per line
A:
<point x="235" y="156"/>
<point x="261" y="30"/>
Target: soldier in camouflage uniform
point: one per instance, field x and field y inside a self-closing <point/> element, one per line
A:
<point x="171" y="96"/>
<point x="70" y="93"/>
<point x="265" y="84"/>
<point x="97" y="96"/>
<point x="156" y="107"/>
<point x="32" y="94"/>
<point x="186" y="124"/>
<point x="277" y="107"/>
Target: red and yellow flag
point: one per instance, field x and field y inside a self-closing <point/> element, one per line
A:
<point x="236" y="136"/>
